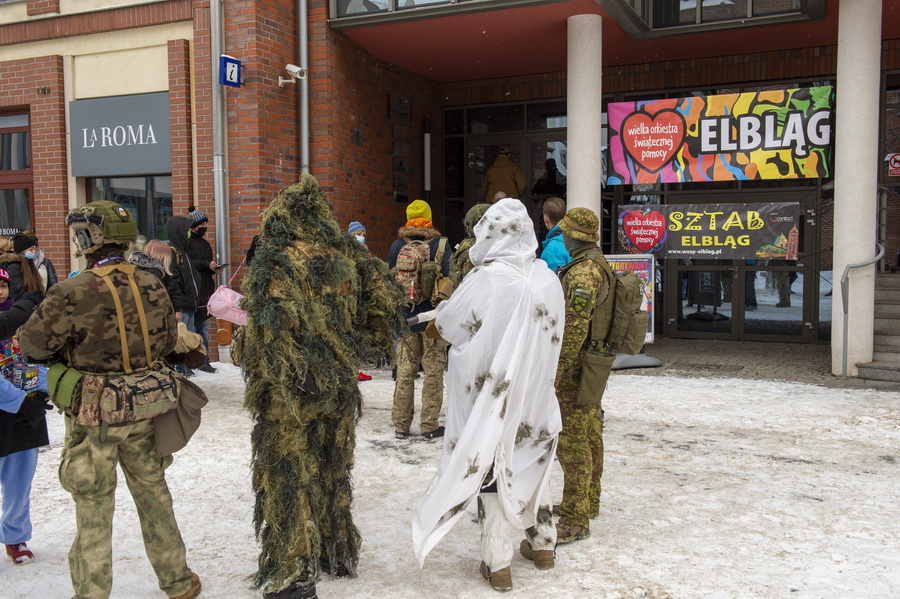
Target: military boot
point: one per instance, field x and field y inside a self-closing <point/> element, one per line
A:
<point x="501" y="580"/>
<point x="566" y="533"/>
<point x="193" y="591"/>
<point x="543" y="559"/>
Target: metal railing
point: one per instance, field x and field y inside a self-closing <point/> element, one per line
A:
<point x="845" y="300"/>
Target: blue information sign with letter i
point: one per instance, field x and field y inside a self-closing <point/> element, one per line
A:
<point x="229" y="71"/>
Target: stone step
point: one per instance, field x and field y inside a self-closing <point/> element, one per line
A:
<point x="887" y="326"/>
<point x="879" y="371"/>
<point x="885" y="281"/>
<point x="887" y="310"/>
<point x="886" y="295"/>
<point x="890" y="341"/>
<point x="886" y="354"/>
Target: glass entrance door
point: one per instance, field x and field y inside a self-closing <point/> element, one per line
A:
<point x="758" y="300"/>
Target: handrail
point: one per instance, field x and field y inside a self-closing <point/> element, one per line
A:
<point x="845" y="300"/>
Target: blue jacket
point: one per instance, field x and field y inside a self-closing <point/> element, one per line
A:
<point x="554" y="252"/>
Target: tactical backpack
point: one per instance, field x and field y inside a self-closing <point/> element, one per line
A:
<point x="422" y="278"/>
<point x="618" y="325"/>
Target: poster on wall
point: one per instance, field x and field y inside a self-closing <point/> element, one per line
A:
<point x="643" y="266"/>
<point x="717" y="231"/>
<point x="774" y="134"/>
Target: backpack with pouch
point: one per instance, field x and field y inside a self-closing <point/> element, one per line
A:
<point x="422" y="278"/>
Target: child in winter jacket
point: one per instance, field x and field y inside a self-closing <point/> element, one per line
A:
<point x="23" y="428"/>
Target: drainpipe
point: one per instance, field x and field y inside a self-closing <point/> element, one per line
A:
<point x="303" y="100"/>
<point x="220" y="188"/>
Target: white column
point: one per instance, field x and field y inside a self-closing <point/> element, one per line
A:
<point x="856" y="178"/>
<point x="585" y="110"/>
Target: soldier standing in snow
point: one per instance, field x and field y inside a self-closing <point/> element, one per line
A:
<point x="580" y="452"/>
<point x="504" y="324"/>
<point x="318" y="305"/>
<point x="80" y="322"/>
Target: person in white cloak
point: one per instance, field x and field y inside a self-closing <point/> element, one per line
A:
<point x="505" y="325"/>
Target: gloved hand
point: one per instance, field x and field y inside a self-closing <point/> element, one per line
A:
<point x="33" y="407"/>
<point x="32" y="296"/>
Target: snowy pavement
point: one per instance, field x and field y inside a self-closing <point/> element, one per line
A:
<point x="713" y="488"/>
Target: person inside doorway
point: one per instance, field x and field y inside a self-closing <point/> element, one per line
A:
<point x="504" y="176"/>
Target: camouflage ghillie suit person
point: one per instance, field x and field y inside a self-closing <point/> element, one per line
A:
<point x="78" y="322"/>
<point x="580" y="451"/>
<point x="460" y="265"/>
<point x="318" y="305"/>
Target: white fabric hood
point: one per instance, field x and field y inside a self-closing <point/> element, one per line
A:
<point x="505" y="324"/>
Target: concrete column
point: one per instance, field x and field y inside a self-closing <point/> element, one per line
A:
<point x="856" y="178"/>
<point x="585" y="111"/>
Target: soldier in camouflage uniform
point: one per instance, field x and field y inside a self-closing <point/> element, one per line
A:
<point x="318" y="305"/>
<point x="580" y="450"/>
<point x="78" y="323"/>
<point x="460" y="265"/>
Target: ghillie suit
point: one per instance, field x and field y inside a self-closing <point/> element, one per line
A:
<point x="318" y="305"/>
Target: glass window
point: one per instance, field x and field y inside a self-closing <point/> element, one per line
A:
<point x="716" y="10"/>
<point x="774" y="7"/>
<point x="547" y="115"/>
<point x="15" y="151"/>
<point x="455" y="167"/>
<point x="454" y="122"/>
<point x="15" y="209"/>
<point x="493" y="119"/>
<point x="669" y="13"/>
<point x="11" y="121"/>
<point x="349" y="8"/>
<point x="148" y="199"/>
<point x="401" y="4"/>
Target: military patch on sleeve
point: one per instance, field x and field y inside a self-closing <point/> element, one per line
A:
<point x="581" y="300"/>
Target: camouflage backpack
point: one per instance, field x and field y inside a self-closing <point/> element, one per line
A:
<point x="416" y="272"/>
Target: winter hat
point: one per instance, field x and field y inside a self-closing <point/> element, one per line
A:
<point x="418" y="209"/>
<point x="4" y="276"/>
<point x="23" y="242"/>
<point x="197" y="216"/>
<point x="356" y="227"/>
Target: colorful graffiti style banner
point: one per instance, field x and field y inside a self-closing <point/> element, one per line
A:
<point x="720" y="231"/>
<point x="643" y="266"/>
<point x="782" y="134"/>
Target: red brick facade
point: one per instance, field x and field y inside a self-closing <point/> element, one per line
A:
<point x="360" y="151"/>
<point x="36" y="86"/>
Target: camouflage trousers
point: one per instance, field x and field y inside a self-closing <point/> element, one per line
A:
<point x="88" y="471"/>
<point x="432" y="353"/>
<point x="580" y="453"/>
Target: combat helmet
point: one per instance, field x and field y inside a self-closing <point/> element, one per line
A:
<point x="473" y="216"/>
<point x="581" y="224"/>
<point x="99" y="223"/>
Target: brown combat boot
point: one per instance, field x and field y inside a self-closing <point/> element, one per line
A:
<point x="193" y="591"/>
<point x="543" y="559"/>
<point x="566" y="533"/>
<point x="501" y="580"/>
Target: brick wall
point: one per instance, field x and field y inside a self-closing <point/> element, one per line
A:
<point x="21" y="80"/>
<point x="42" y="7"/>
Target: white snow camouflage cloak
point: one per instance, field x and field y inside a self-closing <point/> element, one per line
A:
<point x="505" y="324"/>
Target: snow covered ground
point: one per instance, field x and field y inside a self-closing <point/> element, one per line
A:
<point x="713" y="488"/>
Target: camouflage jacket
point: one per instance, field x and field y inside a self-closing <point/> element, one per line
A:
<point x="460" y="265"/>
<point x="77" y="320"/>
<point x="585" y="287"/>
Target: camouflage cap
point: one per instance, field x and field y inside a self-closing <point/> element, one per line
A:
<point x="473" y="216"/>
<point x="581" y="224"/>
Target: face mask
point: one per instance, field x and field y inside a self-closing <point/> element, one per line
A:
<point x="571" y="244"/>
<point x="360" y="238"/>
<point x="30" y="255"/>
<point x="201" y="231"/>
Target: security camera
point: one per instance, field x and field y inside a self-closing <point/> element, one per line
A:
<point x="295" y="73"/>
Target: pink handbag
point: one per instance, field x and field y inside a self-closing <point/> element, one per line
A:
<point x="225" y="303"/>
